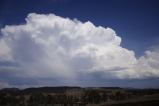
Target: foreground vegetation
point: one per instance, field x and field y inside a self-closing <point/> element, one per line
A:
<point x="76" y="96"/>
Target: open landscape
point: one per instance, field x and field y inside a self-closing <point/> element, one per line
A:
<point x="77" y="96"/>
<point x="79" y="52"/>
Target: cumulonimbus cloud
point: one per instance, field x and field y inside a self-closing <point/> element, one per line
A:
<point x="52" y="46"/>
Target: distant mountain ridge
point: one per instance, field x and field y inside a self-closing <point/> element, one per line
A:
<point x="58" y="89"/>
<point x="62" y="89"/>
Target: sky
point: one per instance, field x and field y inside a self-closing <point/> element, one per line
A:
<point x="79" y="43"/>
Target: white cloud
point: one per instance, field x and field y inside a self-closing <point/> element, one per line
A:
<point x="4" y="51"/>
<point x="149" y="64"/>
<point x="53" y="46"/>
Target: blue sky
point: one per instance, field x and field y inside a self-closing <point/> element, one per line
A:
<point x="135" y="22"/>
